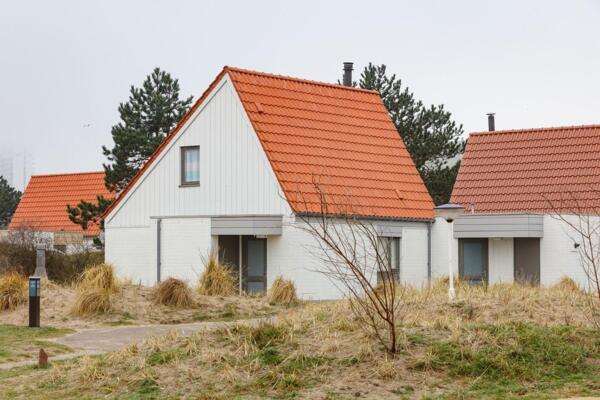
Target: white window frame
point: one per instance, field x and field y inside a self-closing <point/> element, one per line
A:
<point x="390" y="246"/>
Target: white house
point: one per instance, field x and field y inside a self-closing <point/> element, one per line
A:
<point x="515" y="186"/>
<point x="237" y="174"/>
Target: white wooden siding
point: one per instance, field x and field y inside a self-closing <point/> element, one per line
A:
<point x="235" y="175"/>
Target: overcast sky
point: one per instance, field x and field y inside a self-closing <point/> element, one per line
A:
<point x="67" y="64"/>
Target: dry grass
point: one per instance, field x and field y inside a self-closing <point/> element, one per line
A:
<point x="134" y="305"/>
<point x="217" y="279"/>
<point x="101" y="276"/>
<point x="567" y="284"/>
<point x="173" y="293"/>
<point x="283" y="292"/>
<point x="496" y="342"/>
<point x="96" y="288"/>
<point x="92" y="301"/>
<point x="13" y="290"/>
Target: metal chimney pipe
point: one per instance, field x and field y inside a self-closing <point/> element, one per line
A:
<point x="491" y="122"/>
<point x="348" y="68"/>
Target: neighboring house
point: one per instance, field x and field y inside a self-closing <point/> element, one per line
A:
<point x="237" y="174"/>
<point x="513" y="185"/>
<point x="43" y="209"/>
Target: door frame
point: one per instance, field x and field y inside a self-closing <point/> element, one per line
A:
<point x="245" y="280"/>
<point x="485" y="258"/>
<point x="537" y="261"/>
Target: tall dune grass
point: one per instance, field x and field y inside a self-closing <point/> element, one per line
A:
<point x="173" y="293"/>
<point x="217" y="279"/>
<point x="13" y="290"/>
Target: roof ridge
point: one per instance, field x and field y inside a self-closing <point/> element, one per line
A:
<point x="302" y="80"/>
<point x="546" y="129"/>
<point x="69" y="173"/>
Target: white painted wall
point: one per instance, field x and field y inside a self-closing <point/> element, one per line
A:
<point x="132" y="251"/>
<point x="413" y="255"/>
<point x="439" y="250"/>
<point x="184" y="244"/>
<point x="501" y="260"/>
<point x="295" y="255"/>
<point x="559" y="258"/>
<point x="235" y="175"/>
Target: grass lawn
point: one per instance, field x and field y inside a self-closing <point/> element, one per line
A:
<point x="19" y="342"/>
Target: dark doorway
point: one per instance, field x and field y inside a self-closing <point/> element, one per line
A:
<point x="473" y="260"/>
<point x="527" y="261"/>
<point x="254" y="264"/>
<point x="229" y="252"/>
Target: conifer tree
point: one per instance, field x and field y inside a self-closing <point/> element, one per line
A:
<point x="9" y="200"/>
<point x="431" y="136"/>
<point x="151" y="112"/>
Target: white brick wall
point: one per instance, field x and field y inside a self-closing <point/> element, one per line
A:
<point x="184" y="242"/>
<point x="132" y="251"/>
<point x="559" y="258"/>
<point x="439" y="250"/>
<point x="501" y="260"/>
<point x="294" y="255"/>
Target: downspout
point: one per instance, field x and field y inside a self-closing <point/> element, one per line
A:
<point x="158" y="223"/>
<point x="429" y="224"/>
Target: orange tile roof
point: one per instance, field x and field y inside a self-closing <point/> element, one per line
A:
<point x="341" y="137"/>
<point x="533" y="170"/>
<point x="43" y="206"/>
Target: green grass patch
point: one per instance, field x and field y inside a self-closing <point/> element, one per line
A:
<point x="160" y="357"/>
<point x="517" y="359"/>
<point x="19" y="342"/>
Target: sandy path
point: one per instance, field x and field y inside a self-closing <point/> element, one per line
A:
<point x="103" y="340"/>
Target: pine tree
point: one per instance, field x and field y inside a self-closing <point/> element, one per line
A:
<point x="432" y="138"/>
<point x="9" y="200"/>
<point x="146" y="119"/>
<point x="86" y="213"/>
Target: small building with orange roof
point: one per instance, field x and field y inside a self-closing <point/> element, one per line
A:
<point x="238" y="174"/>
<point x="523" y="191"/>
<point x="43" y="208"/>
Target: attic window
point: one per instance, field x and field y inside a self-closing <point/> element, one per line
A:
<point x="190" y="166"/>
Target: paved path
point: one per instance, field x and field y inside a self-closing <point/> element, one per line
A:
<point x="102" y="340"/>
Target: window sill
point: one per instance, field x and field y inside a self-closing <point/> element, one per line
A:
<point x="184" y="185"/>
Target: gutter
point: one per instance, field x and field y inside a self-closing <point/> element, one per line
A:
<point x="429" y="224"/>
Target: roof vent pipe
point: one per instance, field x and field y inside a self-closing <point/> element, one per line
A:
<point x="348" y="68"/>
<point x="491" y="122"/>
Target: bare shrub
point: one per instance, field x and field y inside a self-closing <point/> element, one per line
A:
<point x="18" y="252"/>
<point x="283" y="291"/>
<point x="582" y="217"/>
<point x="217" y="279"/>
<point x="355" y="257"/>
<point x="173" y="293"/>
<point x="13" y="290"/>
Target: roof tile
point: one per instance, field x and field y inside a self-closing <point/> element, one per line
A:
<point x="342" y="137"/>
<point x="43" y="206"/>
<point x="534" y="170"/>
